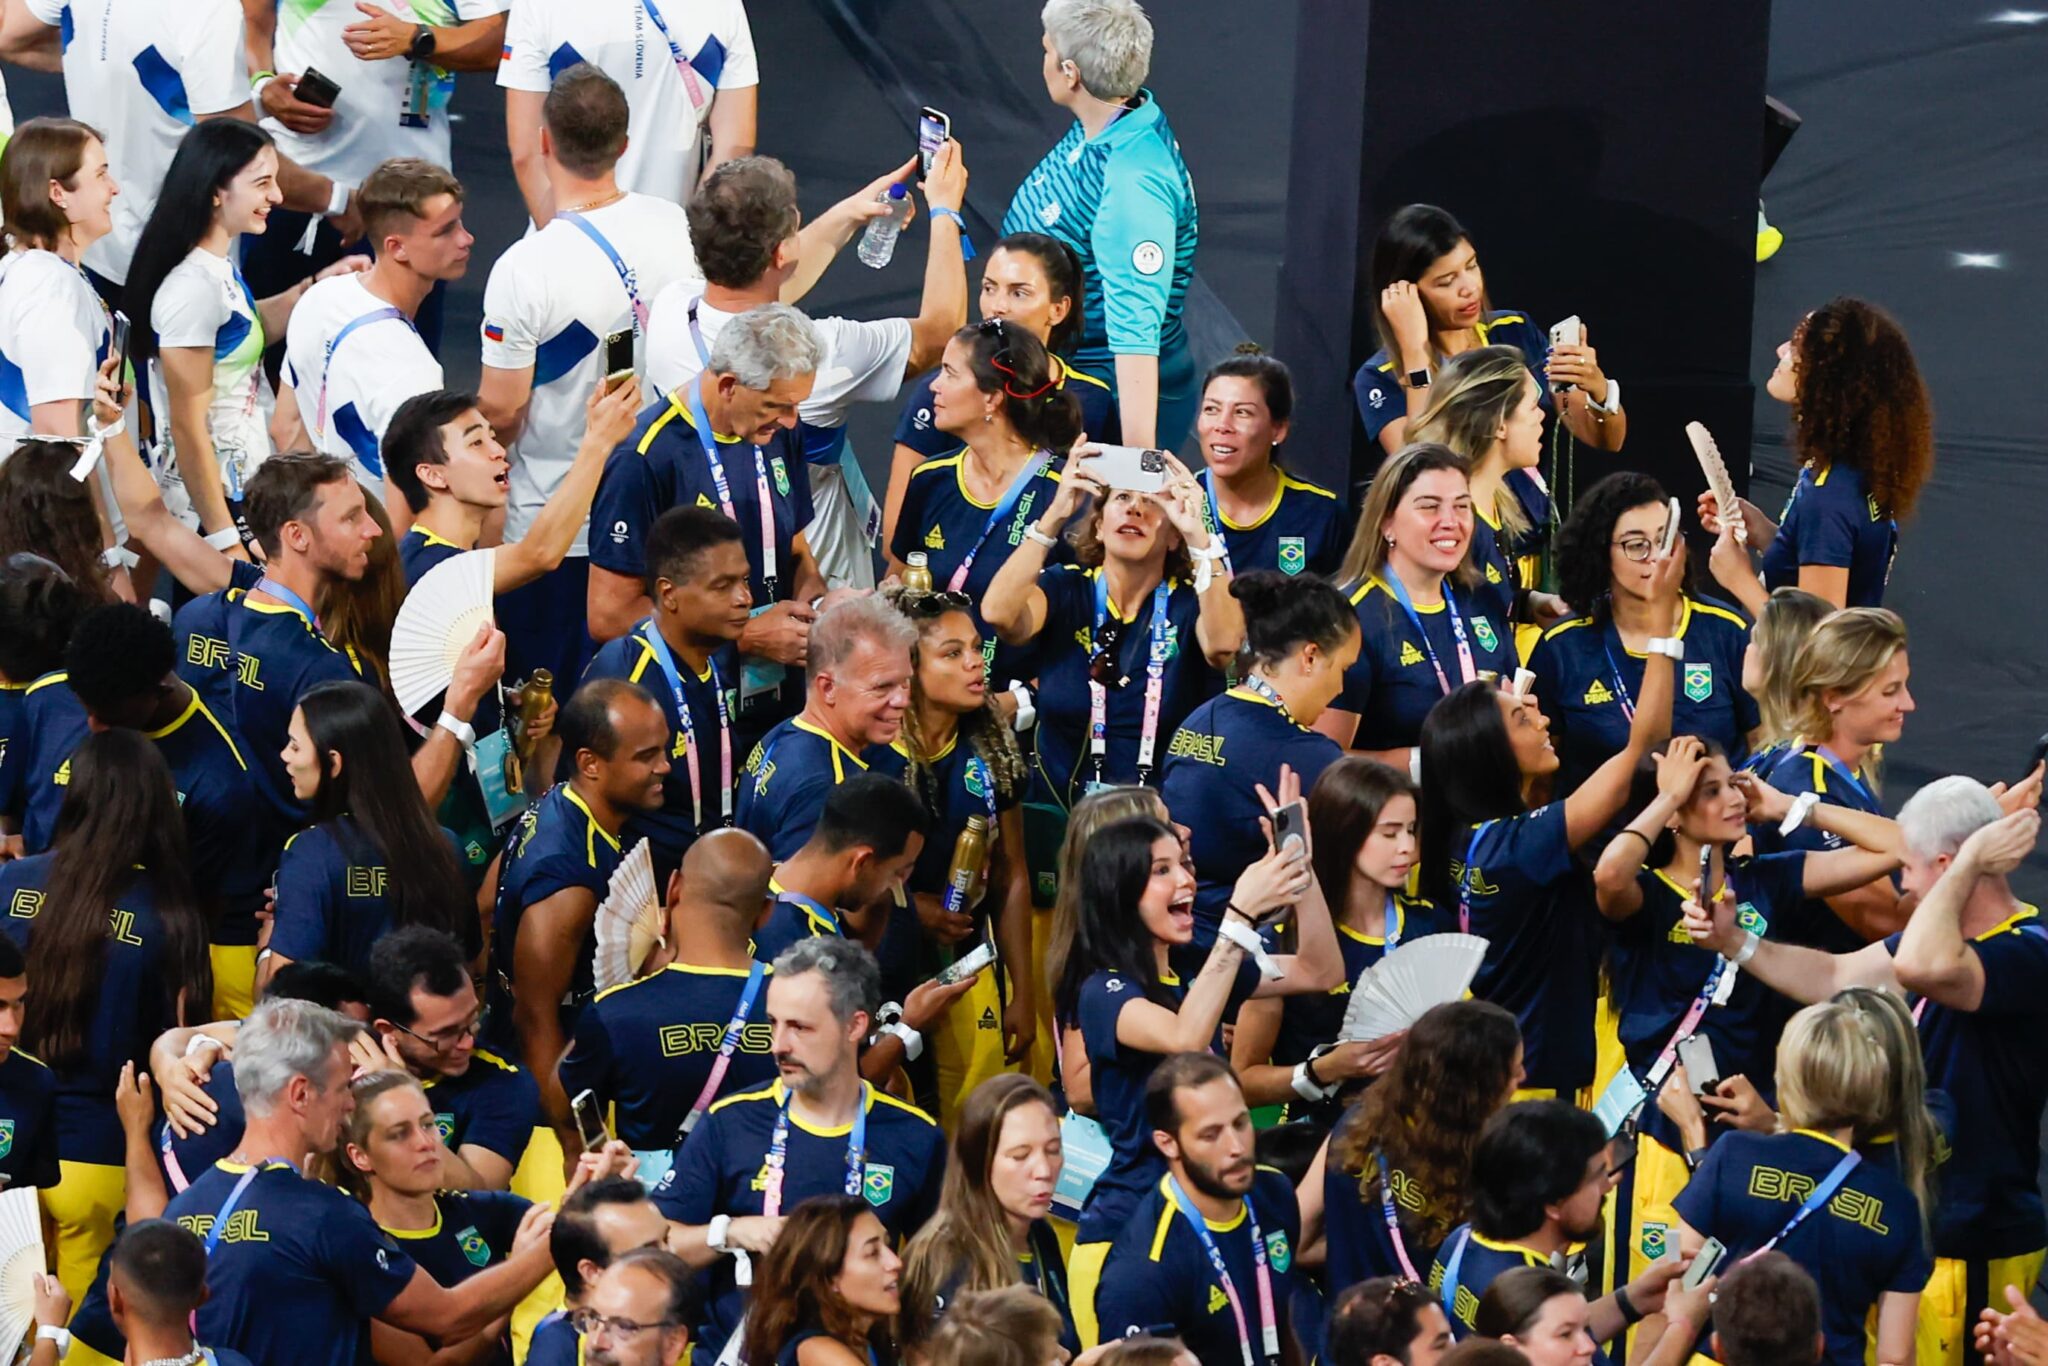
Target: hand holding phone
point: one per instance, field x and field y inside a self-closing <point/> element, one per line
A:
<point x="960" y="969"/>
<point x="1670" y="529"/>
<point x="933" y="128"/>
<point x="1290" y="822"/>
<point x="590" y="1126"/>
<point x="618" y="358"/>
<point x="1703" y="1263"/>
<point x="316" y="90"/>
<point x="1131" y="467"/>
<point x="1570" y="332"/>
<point x="117" y="343"/>
<point x="1696" y="1055"/>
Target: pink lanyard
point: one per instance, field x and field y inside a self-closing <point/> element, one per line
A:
<point x="1155" y="684"/>
<point x="709" y="440"/>
<point x="686" y="719"/>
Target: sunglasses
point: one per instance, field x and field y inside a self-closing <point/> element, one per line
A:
<point x="932" y="603"/>
<point x="1103" y="665"/>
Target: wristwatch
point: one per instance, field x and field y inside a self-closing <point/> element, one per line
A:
<point x="422" y="45"/>
<point x="890" y="1021"/>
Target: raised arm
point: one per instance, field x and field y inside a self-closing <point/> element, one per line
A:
<point x="1014" y="605"/>
<point x="466" y="1309"/>
<point x="609" y="416"/>
<point x="1615" y="888"/>
<point x="1878" y="850"/>
<point x="1601" y="797"/>
<point x="1933" y="958"/>
<point x="820" y="239"/>
<point x="1805" y="975"/>
<point x="942" y="309"/>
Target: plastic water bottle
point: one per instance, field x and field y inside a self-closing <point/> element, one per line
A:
<point x="878" y="243"/>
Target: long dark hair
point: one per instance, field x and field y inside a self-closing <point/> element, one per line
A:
<point x="793" y="1284"/>
<point x="374" y="801"/>
<point x="1109" y="936"/>
<point x="1005" y="359"/>
<point x="1281" y="614"/>
<point x="46" y="512"/>
<point x="209" y="157"/>
<point x="1415" y="236"/>
<point x="1473" y="777"/>
<point x="120" y="811"/>
<point x="1062" y="281"/>
<point x="1585" y="574"/>
<point x="1343" y="807"/>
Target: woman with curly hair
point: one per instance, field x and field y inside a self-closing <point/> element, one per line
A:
<point x="965" y="766"/>
<point x="1864" y="434"/>
<point x="1589" y="669"/>
<point x="1414" y="1133"/>
<point x="825" y="1293"/>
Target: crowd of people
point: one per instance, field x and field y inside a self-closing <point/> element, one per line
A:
<point x="1016" y="837"/>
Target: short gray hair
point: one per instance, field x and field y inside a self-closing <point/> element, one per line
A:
<point x="766" y="344"/>
<point x="853" y="980"/>
<point x="1108" y="41"/>
<point x="283" y="1039"/>
<point x="1940" y="816"/>
<point x="840" y="630"/>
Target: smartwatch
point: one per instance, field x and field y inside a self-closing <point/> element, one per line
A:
<point x="422" y="45"/>
<point x="1418" y="379"/>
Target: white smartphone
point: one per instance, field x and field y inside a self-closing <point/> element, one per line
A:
<point x="589" y="1121"/>
<point x="979" y="957"/>
<point x="1703" y="1263"/>
<point x="1696" y="1053"/>
<point x="1131" y="467"/>
<point x="1670" y="529"/>
<point x="1570" y="332"/>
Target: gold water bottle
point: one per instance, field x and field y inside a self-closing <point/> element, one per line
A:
<point x="970" y="857"/>
<point x="534" y="696"/>
<point x="917" y="574"/>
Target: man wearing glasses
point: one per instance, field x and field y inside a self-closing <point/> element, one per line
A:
<point x="639" y="1311"/>
<point x="424" y="1008"/>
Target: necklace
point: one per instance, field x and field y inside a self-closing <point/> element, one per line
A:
<point x="191" y="1358"/>
<point x="596" y="203"/>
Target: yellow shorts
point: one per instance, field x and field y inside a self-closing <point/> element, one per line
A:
<point x="539" y="1178"/>
<point x="234" y="980"/>
<point x="967" y="1046"/>
<point x="1084" y="1274"/>
<point x="1955" y="1293"/>
<point x="82" y="1206"/>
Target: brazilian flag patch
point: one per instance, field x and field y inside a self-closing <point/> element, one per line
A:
<point x="1699" y="682"/>
<point x="878" y="1184"/>
<point x="1483" y="629"/>
<point x="1293" y="554"/>
<point x="474" y="1247"/>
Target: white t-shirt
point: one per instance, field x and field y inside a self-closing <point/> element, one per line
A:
<point x="204" y="302"/>
<point x="864" y="363"/>
<point x="6" y="112"/>
<point x="624" y="39"/>
<point x="552" y="299"/>
<point x="53" y="336"/>
<point x="140" y="71"/>
<point x="386" y="108"/>
<point x="379" y="364"/>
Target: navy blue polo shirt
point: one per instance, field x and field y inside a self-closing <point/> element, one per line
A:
<point x="646" y="1048"/>
<point x="235" y="835"/>
<point x="1392" y="686"/>
<point x="50" y="729"/>
<point x="1991" y="1064"/>
<point x="251" y="662"/>
<point x="1355" y="1224"/>
<point x="492" y="1104"/>
<point x="1158" y="1277"/>
<point x="131" y="1007"/>
<point x="1481" y="1263"/>
<point x="956" y="784"/>
<point x="1099" y="420"/>
<point x="1065" y="646"/>
<point x="195" y="1154"/>
<point x="420" y="550"/>
<point x="1226" y="748"/>
<point x="1584" y="674"/>
<point x="1309" y="1020"/>
<point x="1793" y="771"/>
<point x="333" y="895"/>
<point x="794" y="916"/>
<point x="672" y="829"/>
<point x="28" y="1122"/>
<point x="722" y="1168"/>
<point x="472" y="1231"/>
<point x="1302" y="531"/>
<point x="945" y="522"/>
<point x="663" y="465"/>
<point x="10" y="726"/>
<point x="1863" y="1243"/>
<point x="557" y="845"/>
<point x="1511" y="562"/>
<point x="300" y="1271"/>
<point x="1831" y="519"/>
<point x="555" y="1342"/>
<point x="788" y="777"/>
<point x="1381" y="399"/>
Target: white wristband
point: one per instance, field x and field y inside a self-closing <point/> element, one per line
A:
<point x="1415" y="765"/>
<point x="1306" y="1087"/>
<point x="1802" y="807"/>
<point x="1032" y="533"/>
<point x="61" y="1336"/>
<point x="337" y="200"/>
<point x="199" y="1041"/>
<point x="1247" y="938"/>
<point x="1671" y="647"/>
<point x="1750" y="940"/>
<point x="461" y="730"/>
<point x="227" y="538"/>
<point x="913" y="1042"/>
<point x="715" y="1231"/>
<point x="1027" y="711"/>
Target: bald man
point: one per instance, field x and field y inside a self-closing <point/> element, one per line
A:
<point x="658" y="1051"/>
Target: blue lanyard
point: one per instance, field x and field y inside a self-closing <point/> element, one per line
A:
<point x="1448" y="1291"/>
<point x="988" y="788"/>
<point x="1822" y="1193"/>
<point x="1252" y="683"/>
<point x="228" y="1206"/>
<point x="1002" y="509"/>
<point x="688" y="723"/>
<point x="778" y="1153"/>
<point x="266" y="584"/>
<point x="1155" y="683"/>
<point x="625" y="272"/>
<point x="1390" y="928"/>
<point x="1400" y="592"/>
<point x="1841" y="770"/>
<point x="1621" y="692"/>
<point x="1215" y="514"/>
<point x="683" y="67"/>
<point x="816" y="908"/>
<point x="1465" y="877"/>
<point x="334" y="344"/>
<point x="1269" y="1330"/>
<point x="726" y="1045"/>
<point x="708" y="439"/>
<point x="1393" y="1218"/>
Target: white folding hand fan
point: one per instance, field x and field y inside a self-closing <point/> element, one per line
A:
<point x="436" y="623"/>
<point x="1718" y="482"/>
<point x="21" y="1257"/>
<point x="1394" y="992"/>
<point x="629" y="920"/>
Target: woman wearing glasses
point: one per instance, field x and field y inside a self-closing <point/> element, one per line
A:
<point x="1426" y="627"/>
<point x="997" y="393"/>
<point x="1589" y="670"/>
<point x="1128" y="637"/>
<point x="374" y="859"/>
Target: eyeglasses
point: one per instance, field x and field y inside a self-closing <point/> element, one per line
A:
<point x="1103" y="665"/>
<point x="589" y="1321"/>
<point x="441" y="1041"/>
<point x="1636" y="548"/>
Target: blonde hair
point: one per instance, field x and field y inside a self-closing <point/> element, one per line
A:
<point x="1781" y="632"/>
<point x="1096" y="811"/>
<point x="1845" y="652"/>
<point x="1470" y="398"/>
<point x="1013" y="1326"/>
<point x="1853" y="1062"/>
<point x="367" y="1090"/>
<point x="1368" y="553"/>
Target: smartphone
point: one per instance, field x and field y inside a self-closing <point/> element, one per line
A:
<point x="1703" y="1263"/>
<point x="618" y="358"/>
<point x="589" y="1121"/>
<point x="1670" y="529"/>
<point x="2035" y="759"/>
<point x="1290" y="822"/>
<point x="1131" y="467"/>
<point x="933" y="128"/>
<point x="960" y="969"/>
<point x="117" y="348"/>
<point x="1696" y="1052"/>
<point x="1705" y="895"/>
<point x="316" y="89"/>
<point x="1570" y="332"/>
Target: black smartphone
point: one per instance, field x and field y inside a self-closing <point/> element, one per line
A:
<point x="933" y="128"/>
<point x="117" y="347"/>
<point x="618" y="357"/>
<point x="316" y="89"/>
<point x="2034" y="760"/>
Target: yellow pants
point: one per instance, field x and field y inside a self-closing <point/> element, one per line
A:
<point x="234" y="980"/>
<point x="1655" y="1180"/>
<point x="1608" y="1054"/>
<point x="1084" y="1274"/>
<point x="1954" y="1294"/>
<point x="539" y="1178"/>
<point x="967" y="1046"/>
<point x="82" y="1355"/>
<point x="83" y="1205"/>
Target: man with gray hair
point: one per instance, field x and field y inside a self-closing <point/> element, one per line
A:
<point x="858" y="690"/>
<point x="296" y="1269"/>
<point x="1116" y="191"/>
<point x="1973" y="960"/>
<point x="818" y="1130"/>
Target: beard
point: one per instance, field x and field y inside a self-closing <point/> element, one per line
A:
<point x="1220" y="1184"/>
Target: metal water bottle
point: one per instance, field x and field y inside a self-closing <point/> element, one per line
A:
<point x="917" y="572"/>
<point x="970" y="857"/>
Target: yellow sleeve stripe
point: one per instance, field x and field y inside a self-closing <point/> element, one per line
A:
<point x="1159" y="1233"/>
<point x="655" y="430"/>
<point x="485" y="1055"/>
<point x="765" y="1093"/>
<point x="61" y="676"/>
<point x="1288" y="481"/>
<point x="905" y="1106"/>
<point x="1564" y="626"/>
<point x="1720" y="612"/>
<point x="1084" y="377"/>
